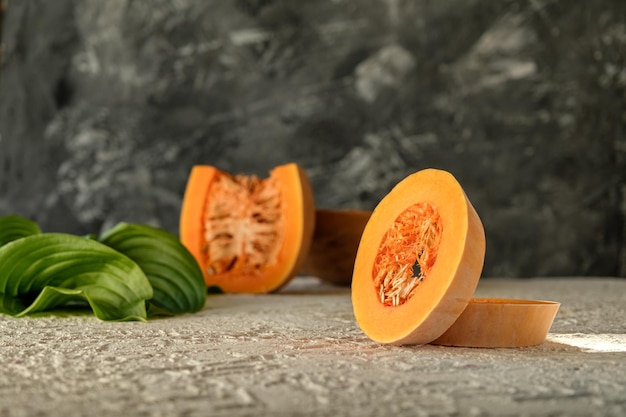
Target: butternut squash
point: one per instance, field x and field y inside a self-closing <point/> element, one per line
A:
<point x="335" y="243"/>
<point x="501" y="323"/>
<point x="419" y="260"/>
<point x="248" y="234"/>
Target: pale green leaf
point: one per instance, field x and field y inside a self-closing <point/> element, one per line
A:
<point x="13" y="227"/>
<point x="47" y="270"/>
<point x="174" y="273"/>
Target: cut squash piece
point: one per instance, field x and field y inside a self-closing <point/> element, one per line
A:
<point x="501" y="323"/>
<point x="419" y="260"/>
<point x="249" y="235"/>
<point x="335" y="243"/>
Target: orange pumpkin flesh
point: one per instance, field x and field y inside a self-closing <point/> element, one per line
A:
<point x="335" y="243"/>
<point x="500" y="323"/>
<point x="419" y="260"/>
<point x="248" y="234"/>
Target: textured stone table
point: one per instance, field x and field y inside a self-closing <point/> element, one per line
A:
<point x="300" y="353"/>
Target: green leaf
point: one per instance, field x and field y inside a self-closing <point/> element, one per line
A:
<point x="14" y="227"/>
<point x="43" y="271"/>
<point x="174" y="273"/>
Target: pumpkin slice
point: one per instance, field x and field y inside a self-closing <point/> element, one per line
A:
<point x="419" y="260"/>
<point x="335" y="243"/>
<point x="501" y="323"/>
<point x="248" y="234"/>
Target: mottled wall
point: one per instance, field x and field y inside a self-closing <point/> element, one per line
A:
<point x="105" y="106"/>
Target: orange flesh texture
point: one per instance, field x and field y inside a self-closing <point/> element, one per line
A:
<point x="498" y="322"/>
<point x="407" y="253"/>
<point x="242" y="225"/>
<point x="192" y="211"/>
<point x="248" y="234"/>
<point x="447" y="286"/>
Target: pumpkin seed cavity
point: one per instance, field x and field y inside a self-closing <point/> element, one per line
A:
<point x="407" y="253"/>
<point x="242" y="225"/>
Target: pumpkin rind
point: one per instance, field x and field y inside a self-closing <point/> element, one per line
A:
<point x="297" y="220"/>
<point x="501" y="323"/>
<point x="442" y="295"/>
<point x="335" y="243"/>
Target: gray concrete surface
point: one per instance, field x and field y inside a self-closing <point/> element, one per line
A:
<point x="113" y="102"/>
<point x="300" y="353"/>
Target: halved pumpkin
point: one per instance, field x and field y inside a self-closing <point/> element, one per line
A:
<point x="248" y="234"/>
<point x="419" y="260"/>
<point x="335" y="243"/>
<point x="501" y="323"/>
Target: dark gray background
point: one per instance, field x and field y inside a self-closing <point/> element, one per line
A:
<point x="106" y="105"/>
